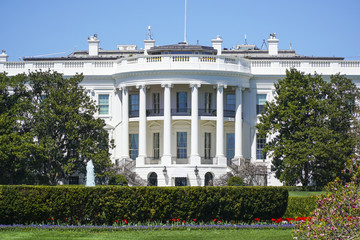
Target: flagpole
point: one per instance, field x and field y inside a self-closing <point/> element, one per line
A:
<point x="185" y="25"/>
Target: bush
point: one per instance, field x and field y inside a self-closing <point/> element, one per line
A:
<point x="118" y="180"/>
<point x="337" y="214"/>
<point x="235" y="181"/>
<point x="105" y="204"/>
<point x="300" y="207"/>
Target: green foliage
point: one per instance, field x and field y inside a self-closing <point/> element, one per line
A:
<point x="235" y="181"/>
<point x="48" y="130"/>
<point x="337" y="214"/>
<point x="118" y="179"/>
<point x="300" y="207"/>
<point x="105" y="204"/>
<point x="309" y="125"/>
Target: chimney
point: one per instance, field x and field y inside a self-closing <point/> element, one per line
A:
<point x="3" y="56"/>
<point x="273" y="44"/>
<point x="217" y="44"/>
<point x="93" y="45"/>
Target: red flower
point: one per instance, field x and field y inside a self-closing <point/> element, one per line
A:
<point x="65" y="219"/>
<point x="173" y="219"/>
<point x="178" y="220"/>
<point x="257" y="219"/>
<point x="116" y="221"/>
<point x="126" y="222"/>
<point x="184" y="221"/>
<point x="52" y="219"/>
<point x="273" y="220"/>
<point x="194" y="219"/>
<point x="219" y="221"/>
<point x="214" y="219"/>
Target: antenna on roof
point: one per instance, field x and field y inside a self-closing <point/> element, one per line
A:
<point x="290" y="46"/>
<point x="245" y="43"/>
<point x="264" y="43"/>
<point x="185" y="25"/>
<point x="149" y="33"/>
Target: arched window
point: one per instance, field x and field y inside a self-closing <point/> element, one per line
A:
<point x="152" y="180"/>
<point x="209" y="179"/>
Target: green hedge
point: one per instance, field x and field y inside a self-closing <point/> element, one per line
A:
<point x="105" y="204"/>
<point x="300" y="207"/>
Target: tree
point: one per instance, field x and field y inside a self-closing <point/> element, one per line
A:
<point x="309" y="127"/>
<point x="57" y="116"/>
<point x="16" y="142"/>
<point x="235" y="181"/>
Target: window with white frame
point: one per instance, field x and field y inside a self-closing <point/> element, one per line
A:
<point x="260" y="145"/>
<point x="260" y="103"/>
<point x="156" y="103"/>
<point x="156" y="145"/>
<point x="103" y="104"/>
<point x="207" y="102"/>
<point x="207" y="153"/>
<point x="181" y="138"/>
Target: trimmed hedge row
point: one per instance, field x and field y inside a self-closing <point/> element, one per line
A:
<point x="105" y="204"/>
<point x="300" y="207"/>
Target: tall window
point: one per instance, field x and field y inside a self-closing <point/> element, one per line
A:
<point x="230" y="146"/>
<point x="134" y="104"/>
<point x="156" y="145"/>
<point x="181" y="102"/>
<point x="156" y="103"/>
<point x="133" y="146"/>
<point x="207" y="154"/>
<point x="260" y="103"/>
<point x="181" y="144"/>
<point x="260" y="144"/>
<point x="208" y="102"/>
<point x="230" y="102"/>
<point x="104" y="104"/>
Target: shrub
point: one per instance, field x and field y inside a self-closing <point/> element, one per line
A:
<point x="235" y="181"/>
<point x="337" y="215"/>
<point x="300" y="207"/>
<point x="105" y="204"/>
<point x="118" y="179"/>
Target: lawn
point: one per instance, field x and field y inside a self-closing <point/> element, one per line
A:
<point x="303" y="193"/>
<point x="240" y="234"/>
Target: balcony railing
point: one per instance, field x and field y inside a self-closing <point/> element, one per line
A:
<point x="181" y="111"/>
<point x="134" y="113"/>
<point x="154" y="112"/>
<point x="176" y="160"/>
<point x="229" y="113"/>
<point x="210" y="160"/>
<point x="207" y="112"/>
<point x="152" y="161"/>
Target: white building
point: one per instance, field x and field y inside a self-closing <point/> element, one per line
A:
<point x="184" y="114"/>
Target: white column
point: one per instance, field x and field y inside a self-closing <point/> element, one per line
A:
<point x="142" y="125"/>
<point x="194" y="156"/>
<point x="238" y="124"/>
<point x="220" y="125"/>
<point x="166" y="158"/>
<point x="125" y="123"/>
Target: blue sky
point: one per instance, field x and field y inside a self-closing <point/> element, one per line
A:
<point x="314" y="27"/>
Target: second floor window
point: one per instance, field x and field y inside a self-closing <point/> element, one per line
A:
<point x="134" y="105"/>
<point x="181" y="102"/>
<point x="104" y="104"/>
<point x="260" y="103"/>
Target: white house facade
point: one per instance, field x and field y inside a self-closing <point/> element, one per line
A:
<point x="184" y="115"/>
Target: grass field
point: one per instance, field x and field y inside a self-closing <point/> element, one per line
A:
<point x="303" y="194"/>
<point x="252" y="234"/>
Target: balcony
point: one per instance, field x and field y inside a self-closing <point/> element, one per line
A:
<point x="181" y="111"/>
<point x="176" y="160"/>
<point x="210" y="160"/>
<point x="207" y="112"/>
<point x="154" y="112"/>
<point x="152" y="161"/>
